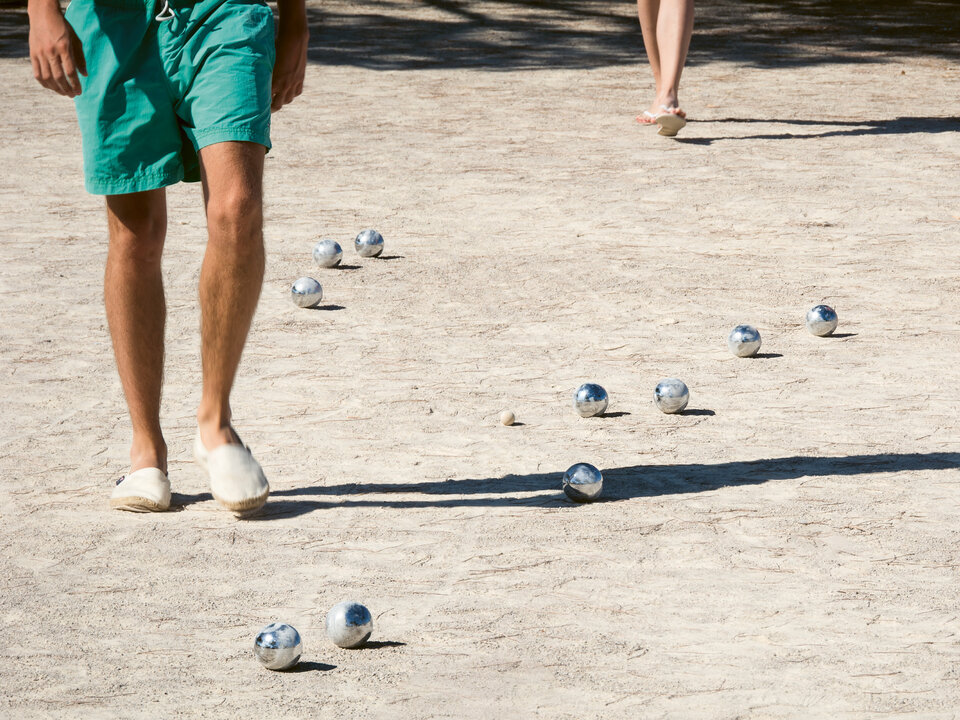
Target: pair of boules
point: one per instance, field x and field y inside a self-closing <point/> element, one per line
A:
<point x="328" y="253"/>
<point x="278" y="646"/>
<point x="671" y="396"/>
<point x="744" y="340"/>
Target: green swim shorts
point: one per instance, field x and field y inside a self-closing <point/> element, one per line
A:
<point x="159" y="90"/>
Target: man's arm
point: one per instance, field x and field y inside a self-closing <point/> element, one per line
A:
<point x="291" y="61"/>
<point x="55" y="51"/>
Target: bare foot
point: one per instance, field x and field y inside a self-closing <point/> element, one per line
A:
<point x="649" y="117"/>
<point x="668" y="103"/>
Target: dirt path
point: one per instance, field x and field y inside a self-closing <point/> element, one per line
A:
<point x="786" y="549"/>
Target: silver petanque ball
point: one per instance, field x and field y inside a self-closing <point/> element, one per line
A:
<point x="744" y="341"/>
<point x="369" y="243"/>
<point x="671" y="395"/>
<point x="278" y="646"/>
<point x="306" y="293"/>
<point x="590" y="399"/>
<point x="582" y="482"/>
<point x="349" y="624"/>
<point x="327" y="253"/>
<point x="821" y="320"/>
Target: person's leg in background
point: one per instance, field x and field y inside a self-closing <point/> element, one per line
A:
<point x="667" y="26"/>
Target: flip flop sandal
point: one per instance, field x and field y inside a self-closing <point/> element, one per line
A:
<point x="145" y="490"/>
<point x="648" y="114"/>
<point x="670" y="123"/>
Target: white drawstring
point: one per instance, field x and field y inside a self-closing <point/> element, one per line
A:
<point x="166" y="9"/>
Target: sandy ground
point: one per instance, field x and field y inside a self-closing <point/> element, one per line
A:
<point x="785" y="549"/>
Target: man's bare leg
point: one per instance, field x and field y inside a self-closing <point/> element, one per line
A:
<point x="231" y="276"/>
<point x="667" y="26"/>
<point x="136" y="313"/>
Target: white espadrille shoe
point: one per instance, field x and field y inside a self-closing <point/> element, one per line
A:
<point x="145" y="490"/>
<point x="236" y="478"/>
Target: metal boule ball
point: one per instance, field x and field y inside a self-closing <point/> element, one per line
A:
<point x="582" y="482"/>
<point x="671" y="395"/>
<point x="278" y="646"/>
<point x="590" y="399"/>
<point x="327" y="253"/>
<point x="821" y="320"/>
<point x="369" y="243"/>
<point x="744" y="341"/>
<point x="349" y="624"/>
<point x="306" y="293"/>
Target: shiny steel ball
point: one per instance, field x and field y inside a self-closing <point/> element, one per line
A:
<point x="821" y="320"/>
<point x="278" y="646"/>
<point x="349" y="624"/>
<point x="590" y="399"/>
<point x="306" y="293"/>
<point x="582" y="482"/>
<point x="327" y="253"/>
<point x="744" y="341"/>
<point x="369" y="243"/>
<point x="671" y="395"/>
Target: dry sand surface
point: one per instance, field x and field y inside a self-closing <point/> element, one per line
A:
<point x="788" y="548"/>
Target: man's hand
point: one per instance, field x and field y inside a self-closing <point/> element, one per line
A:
<point x="291" y="63"/>
<point x="55" y="51"/>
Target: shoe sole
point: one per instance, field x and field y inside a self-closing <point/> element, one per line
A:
<point x="244" y="508"/>
<point x="670" y="124"/>
<point x="137" y="504"/>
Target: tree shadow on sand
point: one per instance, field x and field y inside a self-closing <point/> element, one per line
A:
<point x="532" y="34"/>
<point x="535" y="34"/>
<point x="623" y="483"/>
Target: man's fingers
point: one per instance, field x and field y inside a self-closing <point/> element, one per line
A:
<point x="35" y="63"/>
<point x="52" y="73"/>
<point x="288" y="94"/>
<point x="46" y="74"/>
<point x="282" y="96"/>
<point x="60" y="83"/>
<point x="70" y="74"/>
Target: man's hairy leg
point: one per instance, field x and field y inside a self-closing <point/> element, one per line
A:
<point x="136" y="313"/>
<point x="231" y="277"/>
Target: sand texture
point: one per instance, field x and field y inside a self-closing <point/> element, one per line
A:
<point x="787" y="548"/>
